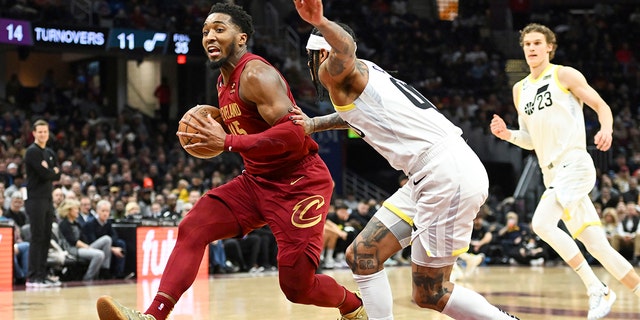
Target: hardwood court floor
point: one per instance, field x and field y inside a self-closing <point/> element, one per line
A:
<point x="528" y="292"/>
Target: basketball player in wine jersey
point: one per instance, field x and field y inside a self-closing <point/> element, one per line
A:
<point x="285" y="184"/>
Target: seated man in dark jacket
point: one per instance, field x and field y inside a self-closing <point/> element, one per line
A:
<point x="96" y="228"/>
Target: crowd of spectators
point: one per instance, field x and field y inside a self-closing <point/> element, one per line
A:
<point x="171" y="16"/>
<point x="136" y="163"/>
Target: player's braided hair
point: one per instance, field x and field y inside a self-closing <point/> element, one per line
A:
<point x="238" y="16"/>
<point x="313" y="61"/>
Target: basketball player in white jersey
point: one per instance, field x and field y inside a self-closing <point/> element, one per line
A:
<point x="549" y="103"/>
<point x="434" y="211"/>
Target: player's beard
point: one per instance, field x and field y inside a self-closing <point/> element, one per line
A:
<point x="215" y="65"/>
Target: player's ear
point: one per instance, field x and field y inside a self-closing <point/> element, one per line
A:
<point x="324" y="53"/>
<point x="242" y="39"/>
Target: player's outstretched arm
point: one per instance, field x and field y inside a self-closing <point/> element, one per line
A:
<point x="317" y="124"/>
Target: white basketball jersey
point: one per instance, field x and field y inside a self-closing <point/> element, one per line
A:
<point x="395" y="119"/>
<point x="552" y="115"/>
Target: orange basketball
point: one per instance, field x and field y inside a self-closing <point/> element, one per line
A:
<point x="200" y="111"/>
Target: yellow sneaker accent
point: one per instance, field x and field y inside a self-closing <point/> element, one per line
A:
<point x="110" y="309"/>
<point x="358" y="314"/>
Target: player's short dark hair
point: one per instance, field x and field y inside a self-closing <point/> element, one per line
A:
<point x="40" y="122"/>
<point x="238" y="16"/>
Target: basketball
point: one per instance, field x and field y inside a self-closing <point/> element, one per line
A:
<point x="200" y="111"/>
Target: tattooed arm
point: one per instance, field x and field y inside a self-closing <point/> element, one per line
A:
<point x="319" y="123"/>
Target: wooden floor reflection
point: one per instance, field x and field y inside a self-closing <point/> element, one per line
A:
<point x="528" y="292"/>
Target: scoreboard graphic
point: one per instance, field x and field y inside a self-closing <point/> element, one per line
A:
<point x="119" y="40"/>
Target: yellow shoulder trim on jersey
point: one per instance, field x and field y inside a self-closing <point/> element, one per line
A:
<point x="557" y="80"/>
<point x="541" y="76"/>
<point x="395" y="210"/>
<point x="576" y="234"/>
<point x="344" y="108"/>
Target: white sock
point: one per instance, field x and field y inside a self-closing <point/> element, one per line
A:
<point x="589" y="278"/>
<point x="466" y="304"/>
<point x="376" y="295"/>
<point x="329" y="254"/>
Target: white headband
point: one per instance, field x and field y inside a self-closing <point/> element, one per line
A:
<point x="317" y="42"/>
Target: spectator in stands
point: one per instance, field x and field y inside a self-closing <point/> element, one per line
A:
<point x="156" y="211"/>
<point x="243" y="252"/>
<point x="119" y="209"/>
<point x="132" y="211"/>
<point x="98" y="252"/>
<point x="633" y="194"/>
<point x="621" y="179"/>
<point x="86" y="211"/>
<point x="161" y="199"/>
<point x="58" y="196"/>
<point x="171" y="212"/>
<point x="15" y="187"/>
<point x="620" y="160"/>
<point x="218" y="259"/>
<point x="604" y="181"/>
<point x="10" y="175"/>
<point x="185" y="209"/>
<point x="634" y="162"/>
<point x="16" y="210"/>
<point x="20" y="257"/>
<point x="627" y="237"/>
<point x="65" y="184"/>
<point x="145" y="198"/>
<point x="351" y="201"/>
<point x="101" y="226"/>
<point x="267" y="256"/>
<point x="607" y="199"/>
<point x="361" y="216"/>
<point x="194" y="196"/>
<point x="481" y="236"/>
<point x="339" y="232"/>
<point x="625" y="57"/>
<point x="610" y="224"/>
<point x="182" y="191"/>
<point x="518" y="243"/>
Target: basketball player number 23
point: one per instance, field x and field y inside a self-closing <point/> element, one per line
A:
<point x="412" y="94"/>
